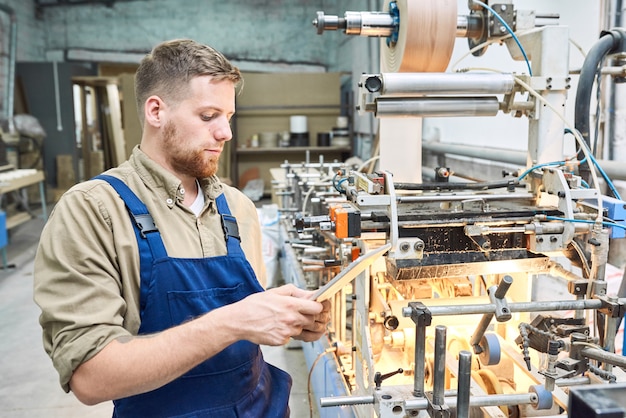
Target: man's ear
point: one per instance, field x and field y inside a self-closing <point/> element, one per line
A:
<point x="152" y="111"/>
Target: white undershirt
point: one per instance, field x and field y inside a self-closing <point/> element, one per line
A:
<point x="198" y="204"/>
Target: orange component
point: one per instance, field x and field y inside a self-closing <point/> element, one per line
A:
<point x="341" y="223"/>
<point x="356" y="252"/>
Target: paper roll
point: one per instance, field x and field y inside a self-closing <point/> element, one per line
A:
<point x="425" y="38"/>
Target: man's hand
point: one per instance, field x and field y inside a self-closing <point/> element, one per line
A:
<point x="276" y="315"/>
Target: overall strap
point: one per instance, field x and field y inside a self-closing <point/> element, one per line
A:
<point x="148" y="236"/>
<point x="229" y="225"/>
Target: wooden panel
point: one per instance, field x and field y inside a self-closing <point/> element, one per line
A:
<point x="130" y="118"/>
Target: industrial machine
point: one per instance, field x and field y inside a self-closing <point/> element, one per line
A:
<point x="434" y="284"/>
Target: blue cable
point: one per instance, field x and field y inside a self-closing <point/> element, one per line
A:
<point x="508" y="28"/>
<point x="605" y="176"/>
<point x="525" y="173"/>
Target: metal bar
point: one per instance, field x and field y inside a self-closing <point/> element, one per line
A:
<point x="450" y="401"/>
<point x="436" y="106"/>
<point x="439" y="365"/>
<point x="457" y="197"/>
<point x="346" y="400"/>
<point x="420" y="358"/>
<point x="516" y="307"/>
<point x="604" y="356"/>
<point x="446" y="83"/>
<point x="463" y="385"/>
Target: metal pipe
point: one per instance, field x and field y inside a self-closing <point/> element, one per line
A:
<point x="445" y="83"/>
<point x="463" y="384"/>
<point x="604" y="356"/>
<point x="614" y="169"/>
<point x="540" y="306"/>
<point x="480" y="401"/>
<point x="436" y="106"/>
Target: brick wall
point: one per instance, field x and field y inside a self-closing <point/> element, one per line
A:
<point x="268" y="31"/>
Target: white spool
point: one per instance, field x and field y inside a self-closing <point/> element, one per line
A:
<point x="298" y="124"/>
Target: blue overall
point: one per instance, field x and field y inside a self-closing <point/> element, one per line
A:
<point x="236" y="382"/>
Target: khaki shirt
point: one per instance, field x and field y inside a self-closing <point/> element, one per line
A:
<point x="87" y="264"/>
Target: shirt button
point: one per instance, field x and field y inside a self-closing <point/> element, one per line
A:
<point x="182" y="190"/>
<point x="169" y="201"/>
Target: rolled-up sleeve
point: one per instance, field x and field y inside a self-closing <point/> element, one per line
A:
<point x="77" y="283"/>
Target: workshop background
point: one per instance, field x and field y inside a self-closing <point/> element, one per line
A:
<point x="59" y="59"/>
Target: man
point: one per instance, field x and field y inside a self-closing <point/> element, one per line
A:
<point x="153" y="298"/>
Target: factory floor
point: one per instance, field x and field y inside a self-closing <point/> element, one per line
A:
<point x="29" y="384"/>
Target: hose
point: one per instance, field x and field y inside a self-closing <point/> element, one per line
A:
<point x="609" y="42"/>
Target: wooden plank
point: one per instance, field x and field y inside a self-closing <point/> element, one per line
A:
<point x="18" y="219"/>
<point x="66" y="177"/>
<point x="132" y="126"/>
<point x="96" y="164"/>
<point x="117" y="133"/>
<point x="18" y="179"/>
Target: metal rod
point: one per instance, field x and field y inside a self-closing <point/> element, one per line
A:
<point x="346" y="400"/>
<point x="436" y="106"/>
<point x="495" y="292"/>
<point x="450" y="198"/>
<point x="422" y="403"/>
<point x="516" y="307"/>
<point x="604" y="356"/>
<point x="446" y="83"/>
<point x="463" y="384"/>
<point x="420" y="357"/>
<point x="439" y="365"/>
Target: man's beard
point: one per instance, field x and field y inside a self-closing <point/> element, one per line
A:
<point x="194" y="163"/>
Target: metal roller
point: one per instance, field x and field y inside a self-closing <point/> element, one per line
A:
<point x="436" y="106"/>
<point x="438" y="83"/>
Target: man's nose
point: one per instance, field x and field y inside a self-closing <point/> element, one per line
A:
<point x="224" y="131"/>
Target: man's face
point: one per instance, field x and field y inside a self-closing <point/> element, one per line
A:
<point x="194" y="134"/>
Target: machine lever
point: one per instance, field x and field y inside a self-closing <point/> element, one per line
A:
<point x="378" y="377"/>
<point x="503" y="313"/>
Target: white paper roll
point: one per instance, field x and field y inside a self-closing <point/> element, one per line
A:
<point x="425" y="39"/>
<point x="298" y="124"/>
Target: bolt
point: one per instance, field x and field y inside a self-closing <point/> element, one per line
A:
<point x="404" y="247"/>
<point x="419" y="246"/>
<point x="503" y="7"/>
<point x="502" y="29"/>
<point x="540" y="239"/>
<point x="553" y="239"/>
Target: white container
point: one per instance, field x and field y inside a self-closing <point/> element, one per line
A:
<point x="298" y="124"/>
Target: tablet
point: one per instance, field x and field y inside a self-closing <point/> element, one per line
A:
<point x="348" y="274"/>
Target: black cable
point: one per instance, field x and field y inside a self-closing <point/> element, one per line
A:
<point x="609" y="42"/>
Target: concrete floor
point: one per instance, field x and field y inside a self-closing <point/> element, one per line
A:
<point x="29" y="384"/>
